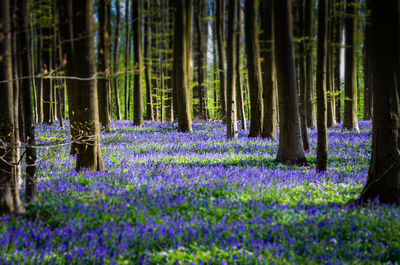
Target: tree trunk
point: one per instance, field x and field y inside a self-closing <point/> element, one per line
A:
<point x="383" y="181"/>
<point x="24" y="54"/>
<point x="338" y="26"/>
<point x="116" y="61"/>
<point x="127" y="49"/>
<point x="322" y="53"/>
<point x="239" y="90"/>
<point x="308" y="27"/>
<point x="137" y="59"/>
<point x="269" y="88"/>
<point x="147" y="59"/>
<point x="9" y="187"/>
<point x="231" y="124"/>
<point x="47" y="82"/>
<point x="368" y="82"/>
<point x="169" y="94"/>
<point x="181" y="59"/>
<point x="290" y="150"/>
<point x="302" y="79"/>
<point x="330" y="87"/>
<point x="350" y="121"/>
<point x="220" y="23"/>
<point x="253" y="67"/>
<point x="83" y="91"/>
<point x="103" y="58"/>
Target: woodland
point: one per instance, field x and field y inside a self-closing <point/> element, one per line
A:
<point x="199" y="131"/>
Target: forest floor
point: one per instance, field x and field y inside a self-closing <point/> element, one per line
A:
<point x="176" y="198"/>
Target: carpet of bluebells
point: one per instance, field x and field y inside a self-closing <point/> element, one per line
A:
<point x="174" y="198"/>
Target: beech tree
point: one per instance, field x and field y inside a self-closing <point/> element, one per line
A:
<point x="9" y="193"/>
<point x="82" y="92"/>
<point x="290" y="150"/>
<point x="322" y="55"/>
<point x="350" y="121"/>
<point x="383" y="182"/>
<point x="137" y="51"/>
<point x="231" y="124"/>
<point x="182" y="26"/>
<point x="220" y="34"/>
<point x="253" y="67"/>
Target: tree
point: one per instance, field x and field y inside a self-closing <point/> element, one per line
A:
<point x="9" y="194"/>
<point x="383" y="182"/>
<point x="322" y="55"/>
<point x="137" y="51"/>
<point x="308" y="32"/>
<point x="337" y="39"/>
<point x="268" y="66"/>
<point x="302" y="77"/>
<point x="24" y="54"/>
<point x="182" y="21"/>
<point x="147" y="59"/>
<point x="231" y="75"/>
<point x="253" y="67"/>
<point x="290" y="150"/>
<point x="350" y="121"/>
<point x="116" y="60"/>
<point x="367" y="68"/>
<point x="239" y="90"/>
<point x="220" y="22"/>
<point x="103" y="59"/>
<point x="82" y="92"/>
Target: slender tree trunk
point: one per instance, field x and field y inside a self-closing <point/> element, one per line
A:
<point x="330" y="82"/>
<point x="338" y="25"/>
<point x="126" y="56"/>
<point x="24" y="56"/>
<point x="239" y="90"/>
<point x="137" y="50"/>
<point x="116" y="61"/>
<point x="220" y="23"/>
<point x="322" y="53"/>
<point x="383" y="182"/>
<point x="47" y="83"/>
<point x="302" y="79"/>
<point x="290" y="150"/>
<point x="83" y="93"/>
<point x="350" y="121"/>
<point x="231" y="124"/>
<point x="169" y="94"/>
<point x="254" y="67"/>
<point x="269" y="88"/>
<point x="147" y="59"/>
<point x="181" y="59"/>
<point x="103" y="55"/>
<point x="308" y="27"/>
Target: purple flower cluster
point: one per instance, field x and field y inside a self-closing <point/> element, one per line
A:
<point x="176" y="198"/>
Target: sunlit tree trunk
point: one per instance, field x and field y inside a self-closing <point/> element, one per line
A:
<point x="116" y="61"/>
<point x="239" y="90"/>
<point x="220" y="23"/>
<point x="309" y="82"/>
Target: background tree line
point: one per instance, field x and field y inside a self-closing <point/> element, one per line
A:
<point x="265" y="61"/>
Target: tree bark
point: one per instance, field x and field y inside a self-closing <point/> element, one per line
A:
<point x="231" y="124"/>
<point x="302" y="79"/>
<point x="24" y="54"/>
<point x="268" y="78"/>
<point x="137" y="50"/>
<point x="83" y="92"/>
<point x="368" y="82"/>
<point x="310" y="103"/>
<point x="350" y="121"/>
<point x="9" y="188"/>
<point x="181" y="60"/>
<point x="338" y="26"/>
<point x="220" y="23"/>
<point x="103" y="58"/>
<point x="239" y="90"/>
<point x="322" y="53"/>
<point x="253" y="67"/>
<point x="116" y="61"/>
<point x="147" y="59"/>
<point x="383" y="182"/>
<point x="127" y="49"/>
<point x="290" y="150"/>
